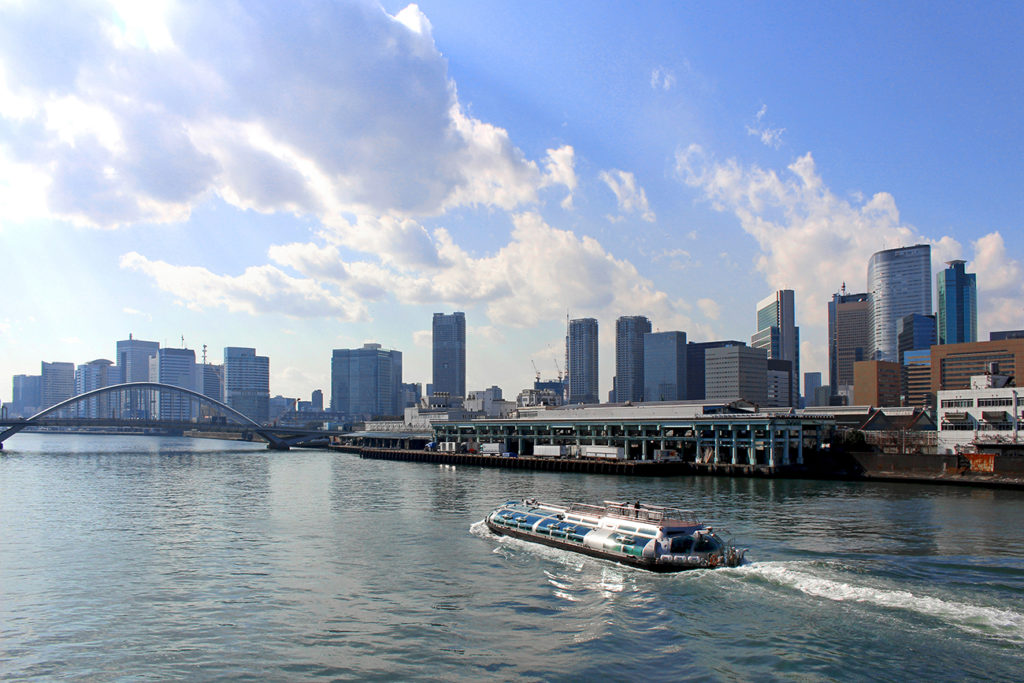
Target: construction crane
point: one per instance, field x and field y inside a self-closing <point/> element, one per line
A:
<point x="535" y="369"/>
<point x="557" y="367"/>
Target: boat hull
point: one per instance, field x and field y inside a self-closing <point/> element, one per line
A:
<point x="649" y="564"/>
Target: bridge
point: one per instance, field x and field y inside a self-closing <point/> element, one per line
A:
<point x="149" y="407"/>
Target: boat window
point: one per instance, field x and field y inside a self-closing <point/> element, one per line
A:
<point x="706" y="543"/>
<point x="681" y="545"/>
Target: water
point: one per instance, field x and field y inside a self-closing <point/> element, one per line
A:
<point x="154" y="559"/>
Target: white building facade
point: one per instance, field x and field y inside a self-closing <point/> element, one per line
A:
<point x="986" y="414"/>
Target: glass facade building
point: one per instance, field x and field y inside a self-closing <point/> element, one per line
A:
<point x="665" y="366"/>
<point x="847" y="336"/>
<point x="779" y="336"/>
<point x="247" y="382"/>
<point x="367" y="382"/>
<point x="899" y="283"/>
<point x="449" y="353"/>
<point x="957" y="310"/>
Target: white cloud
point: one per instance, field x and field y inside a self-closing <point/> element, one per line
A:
<point x="318" y="109"/>
<point x="260" y="289"/>
<point x="1000" y="281"/>
<point x="812" y="241"/>
<point x="772" y="137"/>
<point x="631" y="197"/>
<point x="423" y="338"/>
<point x="662" y="79"/>
<point x="710" y="308"/>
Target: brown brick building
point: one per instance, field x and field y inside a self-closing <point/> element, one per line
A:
<point x="877" y="383"/>
<point x="954" y="364"/>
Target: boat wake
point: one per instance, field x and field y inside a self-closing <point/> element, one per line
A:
<point x="1003" y="624"/>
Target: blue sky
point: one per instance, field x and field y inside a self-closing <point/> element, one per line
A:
<point x="306" y="176"/>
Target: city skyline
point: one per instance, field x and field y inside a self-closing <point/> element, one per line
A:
<point x="515" y="177"/>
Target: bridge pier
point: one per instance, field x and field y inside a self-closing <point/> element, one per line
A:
<point x="279" y="446"/>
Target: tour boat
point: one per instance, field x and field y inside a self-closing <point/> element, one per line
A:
<point x="652" y="537"/>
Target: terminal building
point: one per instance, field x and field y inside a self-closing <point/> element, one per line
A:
<point x="706" y="432"/>
<point x="985" y="417"/>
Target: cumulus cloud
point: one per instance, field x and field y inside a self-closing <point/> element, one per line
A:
<point x="319" y="108"/>
<point x="260" y="289"/>
<point x="631" y="197"/>
<point x="812" y="241"/>
<point x="1000" y="281"/>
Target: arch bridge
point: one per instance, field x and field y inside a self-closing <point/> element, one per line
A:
<point x="152" y="406"/>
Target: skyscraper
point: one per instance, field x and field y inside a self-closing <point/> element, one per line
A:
<point x="178" y="368"/>
<point x="665" y="366"/>
<point x="899" y="283"/>
<point x="957" y="304"/>
<point x="57" y="383"/>
<point x="914" y="332"/>
<point x="695" y="365"/>
<point x="779" y="336"/>
<point x="247" y="382"/>
<point x="91" y="376"/>
<point x="733" y="372"/>
<point x="133" y="358"/>
<point x="449" y="344"/>
<point x="582" y="351"/>
<point x="26" y="395"/>
<point x="366" y="382"/>
<point x="629" y="357"/>
<point x="848" y="335"/>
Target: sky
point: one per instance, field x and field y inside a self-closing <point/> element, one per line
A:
<point x="299" y="177"/>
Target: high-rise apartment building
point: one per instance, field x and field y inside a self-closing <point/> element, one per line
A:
<point x="736" y="372"/>
<point x="629" y="357"/>
<point x="581" y="345"/>
<point x="176" y="367"/>
<point x="848" y="334"/>
<point x="57" y="383"/>
<point x="779" y="336"/>
<point x="247" y="382"/>
<point x="899" y="283"/>
<point x="212" y="381"/>
<point x="665" y="366"/>
<point x="367" y="382"/>
<point x="957" y="310"/>
<point x="449" y="346"/>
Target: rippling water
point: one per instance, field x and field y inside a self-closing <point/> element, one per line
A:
<point x="146" y="558"/>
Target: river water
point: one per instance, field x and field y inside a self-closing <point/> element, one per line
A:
<point x="166" y="558"/>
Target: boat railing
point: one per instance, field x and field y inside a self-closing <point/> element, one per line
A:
<point x="654" y="514"/>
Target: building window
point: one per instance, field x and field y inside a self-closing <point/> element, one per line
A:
<point x="989" y="402"/>
<point x="958" y="403"/>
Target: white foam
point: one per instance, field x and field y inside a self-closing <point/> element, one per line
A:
<point x="1001" y="623"/>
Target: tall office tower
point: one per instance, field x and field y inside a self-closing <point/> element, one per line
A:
<point x="367" y="382"/>
<point x="848" y="334"/>
<point x="779" y="336"/>
<point x="582" y="352"/>
<point x="212" y="381"/>
<point x="812" y="382"/>
<point x="914" y="332"/>
<point x="695" y="360"/>
<point x="957" y="304"/>
<point x="176" y="367"/>
<point x="736" y="372"/>
<point x="132" y="358"/>
<point x="665" y="366"/>
<point x="317" y="399"/>
<point x="247" y="382"/>
<point x="57" y="383"/>
<point x="26" y="395"/>
<point x="449" y="353"/>
<point x="899" y="283"/>
<point x="96" y="375"/>
<point x="629" y="357"/>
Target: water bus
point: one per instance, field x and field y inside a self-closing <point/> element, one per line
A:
<point x="652" y="537"/>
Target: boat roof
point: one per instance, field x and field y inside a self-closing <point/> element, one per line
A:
<point x="657" y="515"/>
